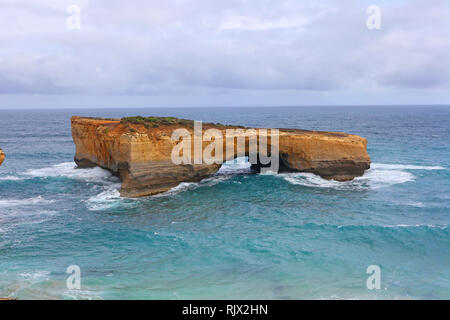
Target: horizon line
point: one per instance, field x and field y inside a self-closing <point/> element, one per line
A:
<point x="233" y="106"/>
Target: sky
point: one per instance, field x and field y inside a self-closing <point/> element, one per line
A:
<point x="207" y="53"/>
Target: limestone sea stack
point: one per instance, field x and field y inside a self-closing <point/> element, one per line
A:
<point x="138" y="150"/>
<point x="2" y="156"/>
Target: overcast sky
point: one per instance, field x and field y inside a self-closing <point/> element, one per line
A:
<point x="223" y="53"/>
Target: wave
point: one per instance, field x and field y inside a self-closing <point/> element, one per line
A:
<point x="227" y="171"/>
<point x="378" y="176"/>
<point x="415" y="226"/>
<point x="106" y="199"/>
<point x="312" y="225"/>
<point x="372" y="179"/>
<point x="416" y="204"/>
<point x="69" y="170"/>
<point x="66" y="170"/>
<point x="38" y="275"/>
<point x="82" y="295"/>
<point x="11" y="178"/>
<point x="404" y="167"/>
<point x="184" y="186"/>
<point x="236" y="166"/>
<point x="35" y="284"/>
<point x="109" y="184"/>
<point x="23" y="202"/>
<point x="110" y="197"/>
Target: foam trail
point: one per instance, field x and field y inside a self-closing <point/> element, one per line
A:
<point x="404" y="167"/>
<point x="23" y="202"/>
<point x="236" y="166"/>
<point x="106" y="199"/>
<point x="69" y="170"/>
<point x="11" y="178"/>
<point x="38" y="275"/>
<point x="226" y="171"/>
<point x="184" y="186"/>
<point x="372" y="179"/>
<point x="376" y="178"/>
<point x="309" y="180"/>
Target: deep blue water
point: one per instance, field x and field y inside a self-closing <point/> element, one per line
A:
<point x="234" y="235"/>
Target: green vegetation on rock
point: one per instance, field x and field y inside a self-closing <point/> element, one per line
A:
<point x="154" y="122"/>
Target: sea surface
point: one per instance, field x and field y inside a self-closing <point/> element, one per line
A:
<point x="234" y="235"/>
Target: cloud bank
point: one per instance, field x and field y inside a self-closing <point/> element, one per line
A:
<point x="219" y="48"/>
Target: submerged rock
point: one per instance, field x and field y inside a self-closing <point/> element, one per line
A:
<point x="139" y="150"/>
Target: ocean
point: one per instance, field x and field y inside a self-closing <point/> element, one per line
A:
<point x="234" y="235"/>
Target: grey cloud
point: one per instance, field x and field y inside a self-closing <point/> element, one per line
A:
<point x="151" y="47"/>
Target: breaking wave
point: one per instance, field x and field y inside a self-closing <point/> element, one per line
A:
<point x="404" y="167"/>
<point x="236" y="166"/>
<point x="185" y="186"/>
<point x="69" y="170"/>
<point x="65" y="170"/>
<point x="378" y="176"/>
<point x="23" y="202"/>
<point x="11" y="178"/>
<point x="106" y="182"/>
<point x="106" y="199"/>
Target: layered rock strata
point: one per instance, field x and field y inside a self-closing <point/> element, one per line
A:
<point x="140" y="151"/>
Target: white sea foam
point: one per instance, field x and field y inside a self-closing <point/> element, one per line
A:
<point x="181" y="187"/>
<point x="185" y="186"/>
<point x="226" y="172"/>
<point x="69" y="170"/>
<point x="416" y="226"/>
<point x="236" y="166"/>
<point x="11" y="178"/>
<point x="105" y="199"/>
<point x="374" y="178"/>
<point x="309" y="180"/>
<point x="82" y="295"/>
<point x="38" y="275"/>
<point x="35" y="275"/>
<point x="416" y="204"/>
<point x="110" y="196"/>
<point x="23" y="202"/>
<point x="404" y="167"/>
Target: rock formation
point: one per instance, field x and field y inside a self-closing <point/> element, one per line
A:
<point x="138" y="150"/>
<point x="2" y="156"/>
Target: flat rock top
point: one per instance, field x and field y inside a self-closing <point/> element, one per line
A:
<point x="165" y="126"/>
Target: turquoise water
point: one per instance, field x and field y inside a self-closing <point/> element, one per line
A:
<point x="234" y="235"/>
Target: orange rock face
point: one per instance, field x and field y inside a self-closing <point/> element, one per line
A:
<point x="141" y="156"/>
<point x="2" y="156"/>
